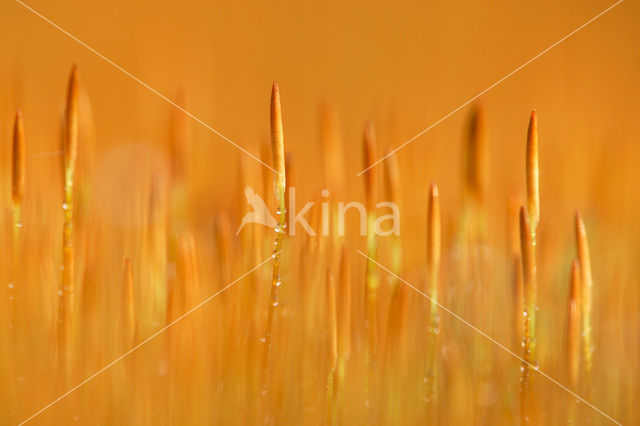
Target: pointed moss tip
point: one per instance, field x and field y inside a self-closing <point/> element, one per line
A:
<point x="369" y="132"/>
<point x="523" y="213"/>
<point x="434" y="189"/>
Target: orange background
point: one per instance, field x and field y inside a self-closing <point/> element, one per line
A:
<point x="411" y="62"/>
<point x="403" y="65"/>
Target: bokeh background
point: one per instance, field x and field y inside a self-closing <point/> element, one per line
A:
<point x="403" y="65"/>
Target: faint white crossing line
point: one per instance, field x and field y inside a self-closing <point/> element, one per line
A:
<point x="128" y="74"/>
<point x="94" y="375"/>
<point x="492" y="86"/>
<point x="500" y="345"/>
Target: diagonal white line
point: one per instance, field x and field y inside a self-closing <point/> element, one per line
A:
<point x="128" y="74"/>
<point x="492" y="86"/>
<point x="500" y="345"/>
<point x="94" y="375"/>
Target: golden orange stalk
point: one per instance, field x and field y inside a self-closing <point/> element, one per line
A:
<point x="18" y="162"/>
<point x="433" y="268"/>
<point x="527" y="249"/>
<point x="398" y="305"/>
<point x="183" y="294"/>
<point x="267" y="180"/>
<point x="514" y="251"/>
<point x="396" y="323"/>
<point x="332" y="345"/>
<point x="344" y="306"/>
<point x="369" y="156"/>
<point x="391" y="178"/>
<point x="289" y="182"/>
<point x="128" y="321"/>
<point x="371" y="274"/>
<point x="573" y="326"/>
<point x="187" y="269"/>
<point x="476" y="170"/>
<point x="332" y="323"/>
<point x="392" y="194"/>
<point x="66" y="305"/>
<point x="529" y="219"/>
<point x="532" y="171"/>
<point x="153" y="258"/>
<point x="371" y="284"/>
<point x="71" y="134"/>
<point x="277" y="146"/>
<point x="393" y="365"/>
<point x="277" y="143"/>
<point x="528" y="266"/>
<point x="332" y="353"/>
<point x="433" y="243"/>
<point x="586" y="282"/>
<point x="17" y="195"/>
<point x="343" y="303"/>
<point x="572" y="338"/>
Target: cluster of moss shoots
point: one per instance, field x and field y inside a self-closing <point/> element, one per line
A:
<point x="325" y="336"/>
